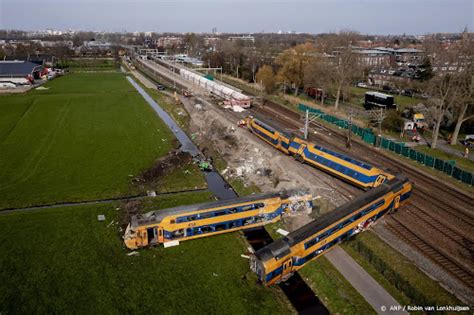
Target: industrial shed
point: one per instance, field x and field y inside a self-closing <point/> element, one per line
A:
<point x="19" y="71"/>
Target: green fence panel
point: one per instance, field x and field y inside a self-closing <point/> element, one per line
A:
<point x="413" y="154"/>
<point x="429" y="161"/>
<point x="439" y="164"/>
<point x="420" y="157"/>
<point x="398" y="148"/>
<point x="391" y="145"/>
<point x="448" y="168"/>
<point x="384" y="143"/>
<point x="467" y="177"/>
<point x="457" y="173"/>
<point x="369" y="138"/>
<point x="406" y="151"/>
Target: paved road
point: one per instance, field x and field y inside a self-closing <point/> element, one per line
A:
<point x="372" y="292"/>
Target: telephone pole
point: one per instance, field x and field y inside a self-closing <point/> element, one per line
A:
<point x="349" y="132"/>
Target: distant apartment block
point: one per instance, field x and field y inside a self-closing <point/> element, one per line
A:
<point x="169" y="41"/>
<point x="244" y="38"/>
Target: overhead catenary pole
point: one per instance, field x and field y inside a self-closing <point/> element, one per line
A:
<point x="306" y="125"/>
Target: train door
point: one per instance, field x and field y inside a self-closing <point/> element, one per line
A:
<point x="160" y="235"/>
<point x="396" y="202"/>
<point x="287" y="268"/>
<point x="380" y="179"/>
<point x="152" y="236"/>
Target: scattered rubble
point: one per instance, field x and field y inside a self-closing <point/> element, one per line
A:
<point x="101" y="218"/>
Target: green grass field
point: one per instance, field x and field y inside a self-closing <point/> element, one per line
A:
<point x="84" y="138"/>
<point x="64" y="261"/>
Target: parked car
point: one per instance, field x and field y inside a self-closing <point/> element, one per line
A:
<point x="362" y="84"/>
<point x="160" y="87"/>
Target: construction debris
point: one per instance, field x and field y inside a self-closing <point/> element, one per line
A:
<point x="171" y="244"/>
<point x="283" y="232"/>
<point x="245" y="256"/>
<point x="111" y="222"/>
<point x="101" y="217"/>
<point x="133" y="254"/>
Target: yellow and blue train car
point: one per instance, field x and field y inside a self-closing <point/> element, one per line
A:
<point x="349" y="169"/>
<point x="274" y="137"/>
<point x="355" y="172"/>
<point x="211" y="218"/>
<point x="280" y="259"/>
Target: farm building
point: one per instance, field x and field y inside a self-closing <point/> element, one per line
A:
<point x="19" y="71"/>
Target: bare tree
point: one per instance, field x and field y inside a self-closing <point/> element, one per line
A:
<point x="344" y="65"/>
<point x="464" y="106"/>
<point x="447" y="89"/>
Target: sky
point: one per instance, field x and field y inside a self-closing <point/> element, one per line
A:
<point x="244" y="16"/>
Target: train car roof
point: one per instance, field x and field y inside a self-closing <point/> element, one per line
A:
<point x="273" y="126"/>
<point x="158" y="215"/>
<point x="283" y="245"/>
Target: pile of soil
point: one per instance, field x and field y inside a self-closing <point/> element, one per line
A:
<point x="128" y="209"/>
<point x="164" y="166"/>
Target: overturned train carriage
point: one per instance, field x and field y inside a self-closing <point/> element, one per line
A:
<point x="351" y="170"/>
<point x="278" y="260"/>
<point x="206" y="219"/>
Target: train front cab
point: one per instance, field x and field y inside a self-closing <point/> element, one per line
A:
<point x="269" y="135"/>
<point x="143" y="236"/>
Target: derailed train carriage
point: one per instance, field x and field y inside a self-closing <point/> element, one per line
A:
<point x="351" y="170"/>
<point x="212" y="218"/>
<point x="279" y="260"/>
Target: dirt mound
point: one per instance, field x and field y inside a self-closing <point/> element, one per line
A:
<point x="165" y="165"/>
<point x="129" y="209"/>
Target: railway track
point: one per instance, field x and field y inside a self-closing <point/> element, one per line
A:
<point x="434" y="223"/>
<point x="439" y="257"/>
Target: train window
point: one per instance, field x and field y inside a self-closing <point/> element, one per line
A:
<point x="218" y="213"/>
<point x="378" y="204"/>
<point x="247" y="208"/>
<point x="179" y="233"/>
<point x="172" y="221"/>
<point x="233" y="210"/>
<point x="181" y="219"/>
<point x="248" y="221"/>
<point x="206" y="215"/>
<point x="206" y="229"/>
<point x="220" y="227"/>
